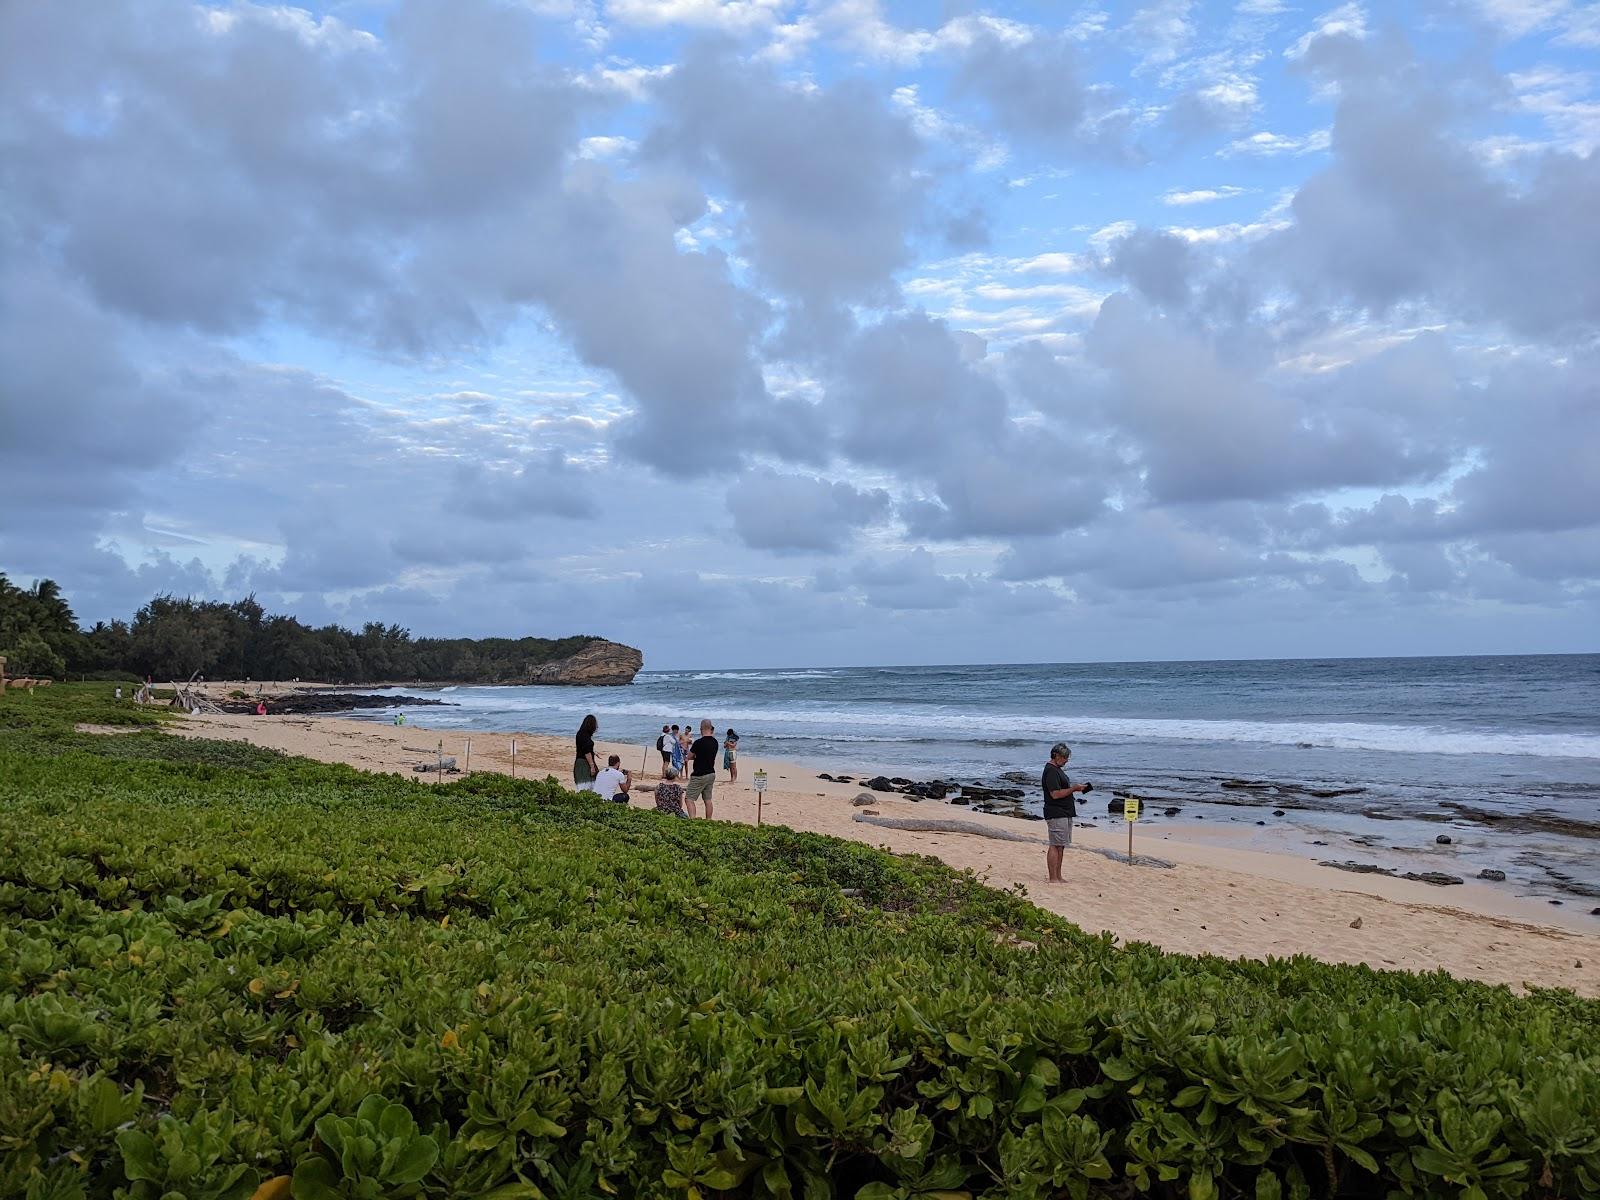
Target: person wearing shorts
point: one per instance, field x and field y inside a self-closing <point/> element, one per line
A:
<point x="703" y="774"/>
<point x="664" y="745"/>
<point x="1059" y="808"/>
<point x="730" y="755"/>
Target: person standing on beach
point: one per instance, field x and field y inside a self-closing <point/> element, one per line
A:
<point x="676" y="750"/>
<point x="586" y="766"/>
<point x="730" y="755"/>
<point x="664" y="747"/>
<point x="704" y="775"/>
<point x="1059" y="808"/>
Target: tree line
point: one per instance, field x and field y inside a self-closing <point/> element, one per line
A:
<point x="172" y="638"/>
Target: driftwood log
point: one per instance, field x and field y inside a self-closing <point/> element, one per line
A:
<point x="920" y="825"/>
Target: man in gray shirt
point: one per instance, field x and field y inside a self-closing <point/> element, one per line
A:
<point x="1059" y="808"/>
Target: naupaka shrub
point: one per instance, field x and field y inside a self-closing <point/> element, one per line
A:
<point x="226" y="973"/>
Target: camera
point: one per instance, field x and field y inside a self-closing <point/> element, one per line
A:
<point x="1087" y="787"/>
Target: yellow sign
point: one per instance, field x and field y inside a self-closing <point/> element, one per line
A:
<point x="1130" y="808"/>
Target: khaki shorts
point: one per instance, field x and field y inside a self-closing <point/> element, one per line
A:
<point x="699" y="788"/>
<point x="1060" y="830"/>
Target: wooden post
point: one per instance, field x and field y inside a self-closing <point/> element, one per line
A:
<point x="468" y="769"/>
<point x="441" y="760"/>
<point x="513" y="758"/>
<point x="2" y="672"/>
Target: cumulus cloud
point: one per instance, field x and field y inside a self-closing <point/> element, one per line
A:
<point x="773" y="511"/>
<point x="473" y="322"/>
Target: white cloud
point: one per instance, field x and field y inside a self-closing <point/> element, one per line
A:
<point x="1582" y="28"/>
<point x="1202" y="195"/>
<point x="606" y="147"/>
<point x="1518" y="18"/>
<point x="1348" y="20"/>
<point x="1274" y="145"/>
<point x="727" y="16"/>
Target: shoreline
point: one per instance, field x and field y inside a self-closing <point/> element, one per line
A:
<point x="1215" y="900"/>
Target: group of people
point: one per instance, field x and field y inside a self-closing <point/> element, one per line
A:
<point x="679" y="751"/>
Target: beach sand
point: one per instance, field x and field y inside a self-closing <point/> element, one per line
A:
<point x="1216" y="900"/>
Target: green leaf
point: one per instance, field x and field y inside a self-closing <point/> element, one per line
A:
<point x="314" y="1179"/>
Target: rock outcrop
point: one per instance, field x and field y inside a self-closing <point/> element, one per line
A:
<point x="599" y="663"/>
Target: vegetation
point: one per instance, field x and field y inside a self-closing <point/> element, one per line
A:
<point x="225" y="970"/>
<point x="171" y="638"/>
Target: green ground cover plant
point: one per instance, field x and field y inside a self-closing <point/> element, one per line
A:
<point x="226" y="973"/>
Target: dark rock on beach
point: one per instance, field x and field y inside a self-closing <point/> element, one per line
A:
<point x="1492" y="875"/>
<point x="1358" y="868"/>
<point x="880" y="784"/>
<point x="1444" y="839"/>
<point x="321" y="701"/>
<point x="1437" y="878"/>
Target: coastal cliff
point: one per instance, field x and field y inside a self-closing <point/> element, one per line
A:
<point x="600" y="663"/>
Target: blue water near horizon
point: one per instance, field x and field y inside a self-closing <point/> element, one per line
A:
<point x="1512" y="735"/>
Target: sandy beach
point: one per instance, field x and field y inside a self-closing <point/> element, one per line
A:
<point x="1215" y="900"/>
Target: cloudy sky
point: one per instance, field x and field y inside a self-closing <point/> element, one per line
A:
<point x="760" y="332"/>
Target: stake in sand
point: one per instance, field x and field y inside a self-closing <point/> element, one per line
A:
<point x="761" y="787"/>
<point x="1130" y="811"/>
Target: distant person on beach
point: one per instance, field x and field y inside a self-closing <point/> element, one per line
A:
<point x="664" y="745"/>
<point x="613" y="782"/>
<point x="703" y="776"/>
<point x="669" y="793"/>
<point x="730" y="755"/>
<point x="261" y="708"/>
<point x="586" y="766"/>
<point x="676" y="750"/>
<point x="1059" y="808"/>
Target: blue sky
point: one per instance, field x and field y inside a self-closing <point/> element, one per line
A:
<point x="759" y="332"/>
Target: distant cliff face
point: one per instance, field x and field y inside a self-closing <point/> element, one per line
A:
<point x="598" y="663"/>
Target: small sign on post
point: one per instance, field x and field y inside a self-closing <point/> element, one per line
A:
<point x="761" y="787"/>
<point x="1130" y="813"/>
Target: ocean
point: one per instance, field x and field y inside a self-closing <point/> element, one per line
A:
<point x="1500" y="754"/>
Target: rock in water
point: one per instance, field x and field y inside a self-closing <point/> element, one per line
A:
<point x="601" y="663"/>
<point x="1443" y="839"/>
<point x="1491" y="874"/>
<point x="1437" y="878"/>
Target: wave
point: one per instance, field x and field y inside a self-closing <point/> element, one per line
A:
<point x="947" y="725"/>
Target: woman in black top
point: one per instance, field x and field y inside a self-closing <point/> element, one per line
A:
<point x="586" y="766"/>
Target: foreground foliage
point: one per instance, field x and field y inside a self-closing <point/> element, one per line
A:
<point x="222" y="970"/>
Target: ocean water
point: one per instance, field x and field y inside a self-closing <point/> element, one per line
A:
<point x="1502" y="754"/>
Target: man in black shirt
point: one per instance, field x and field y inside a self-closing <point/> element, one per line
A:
<point x="1059" y="808"/>
<point x="704" y="772"/>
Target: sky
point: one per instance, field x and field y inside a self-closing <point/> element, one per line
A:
<point x="773" y="332"/>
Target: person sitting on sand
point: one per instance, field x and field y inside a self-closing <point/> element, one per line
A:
<point x="1059" y="808"/>
<point x="613" y="782"/>
<point x="586" y="766"/>
<point x="669" y="793"/>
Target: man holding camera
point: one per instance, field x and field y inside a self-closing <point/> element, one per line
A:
<point x="1059" y="808"/>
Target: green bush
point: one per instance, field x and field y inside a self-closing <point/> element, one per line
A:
<point x="219" y="974"/>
